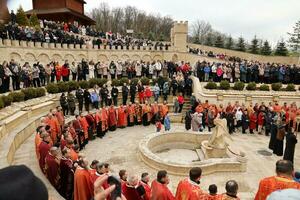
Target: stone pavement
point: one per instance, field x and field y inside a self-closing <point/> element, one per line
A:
<point x="120" y="149"/>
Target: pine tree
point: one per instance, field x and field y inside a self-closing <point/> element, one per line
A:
<point x="266" y="48"/>
<point x="294" y="40"/>
<point x="229" y="44"/>
<point x="208" y="40"/>
<point x="241" y="44"/>
<point x="281" y="49"/>
<point x="21" y="17"/>
<point x="34" y="21"/>
<point x="219" y="42"/>
<point x="254" y="46"/>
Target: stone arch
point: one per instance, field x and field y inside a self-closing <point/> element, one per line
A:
<point x="146" y="58"/>
<point x="81" y="56"/>
<point x="157" y="57"/>
<point x="17" y="57"/>
<point x="56" y="58"/>
<point x="114" y="58"/>
<point x="175" y="58"/>
<point x="29" y="57"/>
<point x="69" y="57"/>
<point x="125" y="57"/>
<point x="136" y="57"/>
<point x="102" y="57"/>
<point x="43" y="58"/>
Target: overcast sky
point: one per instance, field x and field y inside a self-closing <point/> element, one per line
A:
<point x="268" y="19"/>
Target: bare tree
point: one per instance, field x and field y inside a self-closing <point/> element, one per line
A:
<point x="200" y="29"/>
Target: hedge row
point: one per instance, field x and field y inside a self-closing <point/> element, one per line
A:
<point x="225" y="85"/>
<point x="24" y="94"/>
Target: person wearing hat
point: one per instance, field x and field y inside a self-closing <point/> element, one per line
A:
<point x="16" y="179"/>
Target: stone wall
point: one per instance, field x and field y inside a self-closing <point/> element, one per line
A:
<point x="248" y="56"/>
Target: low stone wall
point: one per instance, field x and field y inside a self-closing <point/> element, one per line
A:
<point x="226" y="96"/>
<point x="248" y="56"/>
<point x="188" y="140"/>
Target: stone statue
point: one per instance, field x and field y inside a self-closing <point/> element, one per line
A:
<point x="220" y="132"/>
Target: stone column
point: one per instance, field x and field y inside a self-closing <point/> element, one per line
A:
<point x="23" y="43"/>
<point x="83" y="46"/>
<point x="77" y="46"/>
<point x="51" y="45"/>
<point x="1" y="42"/>
<point x="30" y="44"/>
<point x="71" y="46"/>
<point x="95" y="47"/>
<point x="38" y="44"/>
<point x="65" y="46"/>
<point x="58" y="45"/>
<point x="15" y="43"/>
<point x="7" y="42"/>
<point x="45" y="45"/>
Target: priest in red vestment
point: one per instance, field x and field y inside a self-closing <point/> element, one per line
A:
<point x="112" y="118"/>
<point x="83" y="185"/>
<point x="146" y="114"/>
<point x="85" y="127"/>
<point x="130" y="190"/>
<point x="52" y="167"/>
<point x="159" y="188"/>
<point x="145" y="179"/>
<point x="131" y="114"/>
<point x="122" y="117"/>
<point x="54" y="127"/>
<point x="189" y="189"/>
<point x="154" y="111"/>
<point x="66" y="174"/>
<point x="283" y="180"/>
<point x="98" y="120"/>
<point x="60" y="116"/>
<point x="44" y="148"/>
<point x="98" y="173"/>
<point x="138" y="113"/>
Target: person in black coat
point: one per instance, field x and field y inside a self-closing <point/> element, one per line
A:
<point x="245" y="122"/>
<point x="132" y="93"/>
<point x="87" y="99"/>
<point x="104" y="95"/>
<point x="114" y="95"/>
<point x="80" y="98"/>
<point x="291" y="141"/>
<point x="125" y="92"/>
<point x="188" y="120"/>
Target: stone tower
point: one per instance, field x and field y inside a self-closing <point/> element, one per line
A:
<point x="179" y="34"/>
<point x="4" y="14"/>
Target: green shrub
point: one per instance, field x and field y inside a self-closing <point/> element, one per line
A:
<point x="102" y="81"/>
<point x="276" y="86"/>
<point x="40" y="92"/>
<point x="7" y="100"/>
<point x="239" y="86"/>
<point x="115" y="82"/>
<point x="93" y="82"/>
<point x="84" y="84"/>
<point x="52" y="88"/>
<point x="251" y="86"/>
<point x="17" y="96"/>
<point x="30" y="93"/>
<point x="224" y="85"/>
<point x="290" y="87"/>
<point x="63" y="86"/>
<point x="134" y="81"/>
<point x="73" y="85"/>
<point x="123" y="80"/>
<point x="264" y="87"/>
<point x="1" y="103"/>
<point x="211" y="85"/>
<point x="145" y="81"/>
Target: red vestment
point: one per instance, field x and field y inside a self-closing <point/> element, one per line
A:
<point x="131" y="113"/>
<point x="253" y="120"/>
<point x="83" y="185"/>
<point x="54" y="128"/>
<point x="277" y="108"/>
<point x="154" y="109"/>
<point x="37" y="141"/>
<point x="112" y="118"/>
<point x="163" y="110"/>
<point x="43" y="152"/>
<point x="58" y="72"/>
<point x="60" y="118"/>
<point x="160" y="192"/>
<point x="52" y="170"/>
<point x="104" y="118"/>
<point x="147" y="111"/>
<point x="260" y="119"/>
<point x="122" y="118"/>
<point x="211" y="197"/>
<point x="85" y="127"/>
<point x="147" y="190"/>
<point x="138" y="112"/>
<point x="130" y="193"/>
<point x="273" y="183"/>
<point x="188" y="190"/>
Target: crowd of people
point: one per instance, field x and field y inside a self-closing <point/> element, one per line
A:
<point x="69" y="33"/>
<point x="58" y="145"/>
<point x="274" y="120"/>
<point x="247" y="71"/>
<point x="40" y="75"/>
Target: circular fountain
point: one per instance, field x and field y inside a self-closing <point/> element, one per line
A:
<point x="178" y="152"/>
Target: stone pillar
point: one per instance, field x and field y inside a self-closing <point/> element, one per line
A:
<point x="89" y="46"/>
<point x="38" y="44"/>
<point x="15" y="43"/>
<point x="71" y="46"/>
<point x="51" y="45"/>
<point x="1" y="42"/>
<point x="65" y="46"/>
<point x="23" y="44"/>
<point x="7" y="42"/>
<point x="96" y="47"/>
<point x="30" y="44"/>
<point x="58" y="46"/>
<point x="77" y="46"/>
<point x="45" y="45"/>
<point x="83" y="46"/>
